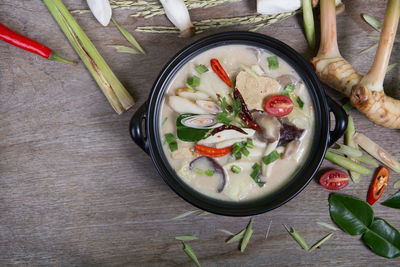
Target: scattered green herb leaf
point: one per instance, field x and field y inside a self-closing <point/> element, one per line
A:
<point x="237" y="107"/>
<point x="183" y="215"/>
<point x="320" y="242"/>
<point x="393" y="201"/>
<point x="247" y="235"/>
<point x="209" y="172"/>
<point x="201" y="69"/>
<point x="193" y="81"/>
<point x="186" y="237"/>
<point x="124" y="49"/>
<point x="297" y="237"/>
<point x="271" y="157"/>
<point x="289" y="87"/>
<point x="129" y="37"/>
<point x="327" y="225"/>
<point x="235" y="169"/>
<point x="273" y="62"/>
<point x="223" y="117"/>
<point x="300" y="102"/>
<point x="189" y="251"/>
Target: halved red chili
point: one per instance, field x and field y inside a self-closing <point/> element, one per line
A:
<point x="279" y="106"/>
<point x="212" y="152"/>
<point x="378" y="185"/>
<point x="219" y="70"/>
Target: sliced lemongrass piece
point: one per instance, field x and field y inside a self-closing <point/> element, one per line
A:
<point x="320" y="242"/>
<point x="367" y="160"/>
<point x="116" y="94"/>
<point x="327" y="225"/>
<point x="374" y="23"/>
<point x="377" y="151"/>
<point x="183" y="215"/>
<point x="297" y="237"/>
<point x="349" y="141"/>
<point x="204" y="213"/>
<point x="246" y="236"/>
<point x="269" y="227"/>
<point x="186" y="237"/>
<point x="235" y="237"/>
<point x="396" y="185"/>
<point x="129" y="36"/>
<point x="124" y="49"/>
<point x="347" y="150"/>
<point x="308" y="19"/>
<point x="189" y="251"/>
<point x="390" y="67"/>
<point x="368" y="48"/>
<point x="346" y="163"/>
<point x="226" y="232"/>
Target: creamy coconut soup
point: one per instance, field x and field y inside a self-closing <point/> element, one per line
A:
<point x="236" y="122"/>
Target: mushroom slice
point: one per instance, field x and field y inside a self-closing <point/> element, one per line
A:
<point x="183" y="105"/>
<point x="287" y="79"/>
<point x="291" y="148"/>
<point x="218" y="169"/>
<point x="208" y="106"/>
<point x="270" y="126"/>
<point x="204" y="121"/>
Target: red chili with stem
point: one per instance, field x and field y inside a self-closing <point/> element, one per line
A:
<point x="30" y="45"/>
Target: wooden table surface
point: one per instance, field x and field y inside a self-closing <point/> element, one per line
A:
<point x="76" y="191"/>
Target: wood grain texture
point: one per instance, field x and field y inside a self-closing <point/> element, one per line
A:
<point x="76" y="191"/>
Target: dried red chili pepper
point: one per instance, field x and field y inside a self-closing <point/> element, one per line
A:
<point x="250" y="123"/>
<point x="219" y="70"/>
<point x="227" y="127"/>
<point x="245" y="109"/>
<point x="30" y="45"/>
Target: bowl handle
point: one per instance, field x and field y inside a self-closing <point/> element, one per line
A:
<point x="136" y="130"/>
<point x="340" y="121"/>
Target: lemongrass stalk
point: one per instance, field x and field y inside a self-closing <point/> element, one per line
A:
<point x="329" y="46"/>
<point x="373" y="80"/>
<point x="367" y="160"/>
<point x="308" y="19"/>
<point x="347" y="150"/>
<point x="349" y="141"/>
<point x="346" y="163"/>
<point x="115" y="92"/>
<point x="377" y="151"/>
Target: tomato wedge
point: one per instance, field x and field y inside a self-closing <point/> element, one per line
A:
<point x="213" y="152"/>
<point x="279" y="106"/>
<point x="378" y="185"/>
<point x="334" y="180"/>
<point x="219" y="70"/>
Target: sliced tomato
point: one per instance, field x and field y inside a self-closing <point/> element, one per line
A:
<point x="279" y="106"/>
<point x="378" y="185"/>
<point x="334" y="179"/>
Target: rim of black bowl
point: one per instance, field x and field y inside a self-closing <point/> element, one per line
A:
<point x="304" y="173"/>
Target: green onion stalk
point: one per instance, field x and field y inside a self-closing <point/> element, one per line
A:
<point x="115" y="92"/>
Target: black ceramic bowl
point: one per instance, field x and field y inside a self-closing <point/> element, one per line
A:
<point x="147" y="136"/>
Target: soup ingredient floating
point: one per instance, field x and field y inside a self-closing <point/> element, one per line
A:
<point x="30" y="45"/>
<point x="101" y="9"/>
<point x="356" y="217"/>
<point x="378" y="185"/>
<point x="334" y="180"/>
<point x="178" y="14"/>
<point x="116" y="94"/>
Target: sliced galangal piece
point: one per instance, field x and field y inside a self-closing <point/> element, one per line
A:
<point x="256" y="90"/>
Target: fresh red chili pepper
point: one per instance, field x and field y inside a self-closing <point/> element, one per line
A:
<point x="245" y="109"/>
<point x="217" y="68"/>
<point x="378" y="185"/>
<point x="252" y="124"/>
<point x="213" y="152"/>
<point x="30" y="45"/>
<point x="227" y="127"/>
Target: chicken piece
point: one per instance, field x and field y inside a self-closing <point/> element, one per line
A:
<point x="255" y="90"/>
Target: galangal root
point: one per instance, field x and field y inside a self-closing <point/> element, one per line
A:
<point x="366" y="92"/>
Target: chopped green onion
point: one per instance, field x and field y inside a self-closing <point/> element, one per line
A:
<point x="255" y="174"/>
<point x="189" y="251"/>
<point x="235" y="169"/>
<point x="273" y="62"/>
<point x="124" y="49"/>
<point x="173" y="145"/>
<point x="347" y="106"/>
<point x="237" y="147"/>
<point x="346" y="163"/>
<point x="246" y="236"/>
<point x="183" y="215"/>
<point x="238" y="155"/>
<point x="193" y="81"/>
<point x="289" y="87"/>
<point x="286" y="94"/>
<point x="320" y="242"/>
<point x="296" y="236"/>
<point x="209" y="172"/>
<point x="347" y="150"/>
<point x="249" y="143"/>
<point x="198" y="171"/>
<point x="129" y="37"/>
<point x="245" y="151"/>
<point x="201" y="69"/>
<point x="236" y="237"/>
<point x="308" y="19"/>
<point x="300" y="102"/>
<point x="186" y="237"/>
<point x="271" y="157"/>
